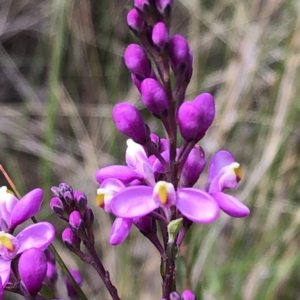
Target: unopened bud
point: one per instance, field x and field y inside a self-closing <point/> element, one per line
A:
<point x="135" y="21"/>
<point x="129" y="121"/>
<point x="70" y="239"/>
<point x="154" y="97"/>
<point x="179" y="53"/>
<point x="136" y="61"/>
<point x="160" y="35"/>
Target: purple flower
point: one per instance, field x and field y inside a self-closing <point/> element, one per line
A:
<point x="14" y="212"/>
<point x="129" y="121"/>
<point x="193" y="167"/>
<point x="179" y="53"/>
<point x="138" y="167"/>
<point x="225" y="173"/>
<point x="154" y="97"/>
<point x="138" y="201"/>
<point x="142" y="5"/>
<point x="39" y="235"/>
<point x="120" y="230"/>
<point x="136" y="61"/>
<point x="160" y="35"/>
<point x="188" y="295"/>
<point x="33" y="269"/>
<point x="190" y="120"/>
<point x="164" y="6"/>
<point x="135" y="20"/>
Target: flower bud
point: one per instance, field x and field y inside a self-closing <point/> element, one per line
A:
<point x="136" y="61"/>
<point x="27" y="207"/>
<point x="188" y="295"/>
<point x="190" y="120"/>
<point x="129" y="121"/>
<point x="179" y="53"/>
<point x="64" y="187"/>
<point x="175" y="296"/>
<point x="193" y="167"/>
<point x="164" y="6"/>
<point x="55" y="191"/>
<point x="51" y="274"/>
<point x="33" y="269"/>
<point x="70" y="239"/>
<point x="68" y="196"/>
<point x="80" y="200"/>
<point x="154" y="97"/>
<point x="160" y="35"/>
<point x="119" y="231"/>
<point x="77" y="277"/>
<point x="88" y="217"/>
<point x="206" y="103"/>
<point x="76" y="222"/>
<point x="57" y="206"/>
<point x="142" y="5"/>
<point x="135" y="21"/>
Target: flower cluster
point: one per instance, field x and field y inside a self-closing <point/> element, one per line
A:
<point x="27" y="246"/>
<point x="159" y="176"/>
<point x="157" y="184"/>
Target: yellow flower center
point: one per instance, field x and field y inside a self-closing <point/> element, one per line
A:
<point x="6" y="242"/>
<point x="103" y="195"/>
<point x="162" y="192"/>
<point x="238" y="171"/>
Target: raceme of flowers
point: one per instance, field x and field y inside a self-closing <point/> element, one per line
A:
<point x="154" y="190"/>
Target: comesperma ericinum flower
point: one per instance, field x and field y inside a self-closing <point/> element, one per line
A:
<point x="138" y="201"/>
<point x="14" y="212"/>
<point x="33" y="269"/>
<point x="39" y="235"/>
<point x="138" y="167"/>
<point x="225" y="173"/>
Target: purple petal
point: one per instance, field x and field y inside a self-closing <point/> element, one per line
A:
<point x="197" y="205"/>
<point x="33" y="269"/>
<point x="120" y="230"/>
<point x="27" y="207"/>
<point x="112" y="184"/>
<point x="190" y="121"/>
<point x="160" y="35"/>
<point x="206" y="103"/>
<point x="130" y="122"/>
<point x="221" y="159"/>
<point x="39" y="235"/>
<point x="154" y="97"/>
<point x="193" y="167"/>
<point x="7" y="203"/>
<point x="134" y="201"/>
<point x="9" y="246"/>
<point x="4" y="271"/>
<point x="135" y="20"/>
<point x="136" y="61"/>
<point x="164" y="6"/>
<point x="188" y="295"/>
<point x="123" y="173"/>
<point x="230" y="205"/>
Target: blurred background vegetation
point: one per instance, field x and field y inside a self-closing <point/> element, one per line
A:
<point x="61" y="72"/>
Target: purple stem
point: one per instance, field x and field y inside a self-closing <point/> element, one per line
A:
<point x="104" y="274"/>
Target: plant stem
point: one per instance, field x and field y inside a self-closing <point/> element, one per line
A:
<point x="104" y="275"/>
